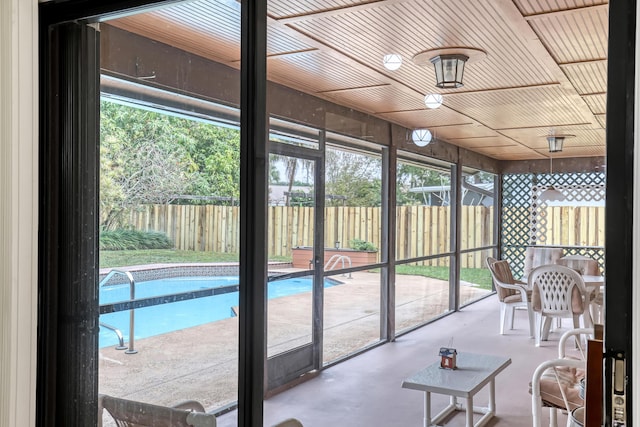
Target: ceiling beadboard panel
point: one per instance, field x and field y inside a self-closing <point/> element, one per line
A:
<point x="588" y="77"/>
<point x="409" y="28"/>
<point x="537" y="138"/>
<point x="215" y="21"/>
<point x="467" y="131"/>
<point x="573" y="37"/>
<point x="423" y="117"/>
<point x="158" y="28"/>
<point x="584" y="151"/>
<point x="536" y="7"/>
<point x="296" y="8"/>
<point x="280" y="41"/>
<point x="387" y="98"/>
<point x="316" y="71"/>
<point x="597" y="103"/>
<point x="523" y="108"/>
<point x="512" y="152"/>
<point x="544" y="66"/>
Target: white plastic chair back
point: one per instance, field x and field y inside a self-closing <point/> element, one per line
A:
<point x="536" y="256"/>
<point x="558" y="291"/>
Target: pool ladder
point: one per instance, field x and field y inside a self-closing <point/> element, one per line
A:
<point x="121" y="345"/>
<point x="132" y="296"/>
<point x="336" y="258"/>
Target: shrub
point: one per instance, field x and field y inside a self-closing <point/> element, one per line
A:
<point x="362" y="245"/>
<point x="120" y="240"/>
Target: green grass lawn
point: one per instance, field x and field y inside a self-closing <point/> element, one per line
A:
<point x="478" y="276"/>
<point x="153" y="256"/>
<point x="111" y="259"/>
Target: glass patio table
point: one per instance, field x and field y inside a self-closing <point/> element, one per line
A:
<point x="473" y="372"/>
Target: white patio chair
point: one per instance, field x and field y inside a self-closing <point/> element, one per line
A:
<point x="535" y="256"/>
<point x="557" y="383"/>
<point x="131" y="413"/>
<point x="557" y="292"/>
<point x="189" y="413"/>
<point x="512" y="294"/>
<point x="587" y="266"/>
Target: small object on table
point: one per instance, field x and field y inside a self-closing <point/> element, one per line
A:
<point x="448" y="358"/>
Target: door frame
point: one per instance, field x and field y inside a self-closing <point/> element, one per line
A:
<point x="289" y="366"/>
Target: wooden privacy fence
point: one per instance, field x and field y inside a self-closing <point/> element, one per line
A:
<point x="421" y="230"/>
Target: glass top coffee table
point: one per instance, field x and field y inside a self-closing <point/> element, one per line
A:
<point x="473" y="372"/>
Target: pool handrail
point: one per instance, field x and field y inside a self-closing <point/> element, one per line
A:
<point x="132" y="296"/>
<point x="116" y="331"/>
<point x="336" y="258"/>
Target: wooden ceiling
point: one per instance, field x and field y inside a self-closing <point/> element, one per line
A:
<point x="544" y="72"/>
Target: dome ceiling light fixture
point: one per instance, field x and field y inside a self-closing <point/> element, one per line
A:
<point x="392" y="61"/>
<point x="433" y="100"/>
<point x="421" y="137"/>
<point x="449" y="63"/>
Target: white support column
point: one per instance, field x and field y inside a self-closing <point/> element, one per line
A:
<point x="18" y="210"/>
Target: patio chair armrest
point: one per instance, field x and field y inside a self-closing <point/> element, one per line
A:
<point x="191" y="405"/>
<point x="569" y="334"/>
<point x="520" y="287"/>
<point x="517" y="286"/>
<point x="536" y="399"/>
<point x="198" y="419"/>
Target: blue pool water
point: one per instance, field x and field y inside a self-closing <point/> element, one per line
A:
<point x="158" y="319"/>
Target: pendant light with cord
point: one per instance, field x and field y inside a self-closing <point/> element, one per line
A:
<point x="552" y="194"/>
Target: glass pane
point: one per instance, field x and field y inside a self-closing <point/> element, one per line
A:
<point x="290" y="319"/>
<point x="477" y="211"/>
<point x="422" y="292"/>
<point x="291" y="211"/>
<point x="291" y="184"/>
<point x="351" y="313"/>
<point x="475" y="279"/>
<point x="352" y="220"/>
<point x="169" y="197"/>
<point x="291" y="228"/>
<point x="423" y="211"/>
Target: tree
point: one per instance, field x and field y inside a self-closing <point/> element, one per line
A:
<point x="410" y="176"/>
<point x="353" y="175"/>
<point x="293" y="167"/>
<point x="149" y="157"/>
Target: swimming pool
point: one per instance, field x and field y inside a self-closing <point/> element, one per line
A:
<point x="159" y="319"/>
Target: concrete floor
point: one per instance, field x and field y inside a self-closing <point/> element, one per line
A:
<point x="201" y="363"/>
<point x="366" y="390"/>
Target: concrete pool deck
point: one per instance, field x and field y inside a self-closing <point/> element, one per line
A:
<point x="201" y="363"/>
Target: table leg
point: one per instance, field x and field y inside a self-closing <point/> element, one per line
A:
<point x="492" y="396"/>
<point x="427" y="409"/>
<point x="469" y="412"/>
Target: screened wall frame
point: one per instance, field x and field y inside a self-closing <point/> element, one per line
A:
<point x="446" y="195"/>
